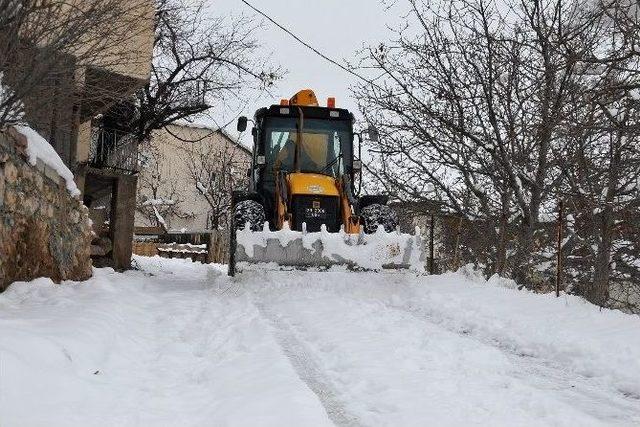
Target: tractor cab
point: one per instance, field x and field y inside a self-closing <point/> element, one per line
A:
<point x="300" y="136"/>
<point x="312" y="146"/>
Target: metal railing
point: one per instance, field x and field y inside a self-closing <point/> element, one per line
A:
<point x="113" y="149"/>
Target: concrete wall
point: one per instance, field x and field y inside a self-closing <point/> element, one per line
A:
<point x="169" y="155"/>
<point x="43" y="230"/>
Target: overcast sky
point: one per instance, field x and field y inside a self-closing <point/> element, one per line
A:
<point x="338" y="28"/>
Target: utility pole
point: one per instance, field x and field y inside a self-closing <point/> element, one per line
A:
<point x="457" y="244"/>
<point x="559" y="250"/>
<point x="431" y="229"/>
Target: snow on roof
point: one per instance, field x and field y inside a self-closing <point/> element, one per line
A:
<point x="39" y="148"/>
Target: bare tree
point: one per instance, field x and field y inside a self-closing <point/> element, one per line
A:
<point x="199" y="62"/>
<point x="159" y="198"/>
<point x="470" y="108"/>
<point x="216" y="170"/>
<point x="500" y="109"/>
<point x="601" y="158"/>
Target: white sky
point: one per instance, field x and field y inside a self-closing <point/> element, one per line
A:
<point x="338" y="28"/>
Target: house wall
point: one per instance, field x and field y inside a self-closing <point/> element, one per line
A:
<point x="129" y="52"/>
<point x="49" y="105"/>
<point x="108" y="65"/>
<point x="44" y="231"/>
<point x="169" y="156"/>
<point x="121" y="41"/>
<point x="61" y="105"/>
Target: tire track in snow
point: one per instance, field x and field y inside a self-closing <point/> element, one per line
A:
<point x="595" y="398"/>
<point x="308" y="370"/>
<point x="589" y="392"/>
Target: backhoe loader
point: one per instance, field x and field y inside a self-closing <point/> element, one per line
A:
<point x="302" y="208"/>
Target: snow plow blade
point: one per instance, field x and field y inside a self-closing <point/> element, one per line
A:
<point x="286" y="249"/>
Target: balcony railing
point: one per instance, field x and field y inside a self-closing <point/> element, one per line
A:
<point x="113" y="149"/>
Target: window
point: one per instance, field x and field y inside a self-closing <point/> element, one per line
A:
<point x="324" y="145"/>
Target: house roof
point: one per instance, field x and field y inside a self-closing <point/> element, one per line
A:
<point x="218" y="130"/>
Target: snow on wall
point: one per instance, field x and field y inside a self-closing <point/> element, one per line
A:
<point x="39" y="148"/>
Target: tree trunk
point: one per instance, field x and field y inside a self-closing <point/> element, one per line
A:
<point x="598" y="292"/>
<point x="520" y="266"/>
<point x="503" y="235"/>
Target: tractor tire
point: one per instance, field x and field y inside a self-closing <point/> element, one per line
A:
<point x="375" y="214"/>
<point x="248" y="211"/>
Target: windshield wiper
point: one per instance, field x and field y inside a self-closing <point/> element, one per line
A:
<point x="331" y="163"/>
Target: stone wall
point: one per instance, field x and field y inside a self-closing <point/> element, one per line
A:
<point x="43" y="230"/>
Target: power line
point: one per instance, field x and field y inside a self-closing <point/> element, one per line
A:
<point x="395" y="78"/>
<point x="308" y="46"/>
<point x="337" y="64"/>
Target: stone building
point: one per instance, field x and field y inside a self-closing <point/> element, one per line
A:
<point x="187" y="176"/>
<point x="102" y="158"/>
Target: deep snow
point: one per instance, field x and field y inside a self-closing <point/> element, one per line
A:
<point x="179" y="343"/>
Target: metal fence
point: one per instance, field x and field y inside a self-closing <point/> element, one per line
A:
<point x="114" y="149"/>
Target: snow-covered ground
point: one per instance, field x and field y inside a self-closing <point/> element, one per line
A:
<point x="180" y="344"/>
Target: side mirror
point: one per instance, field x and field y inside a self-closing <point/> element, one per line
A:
<point x="374" y="135"/>
<point x="242" y="124"/>
<point x="261" y="161"/>
<point x="357" y="165"/>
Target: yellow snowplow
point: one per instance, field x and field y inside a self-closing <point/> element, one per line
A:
<point x="302" y="208"/>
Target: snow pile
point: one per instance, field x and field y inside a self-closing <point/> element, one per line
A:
<point x="502" y="282"/>
<point x="248" y="238"/>
<point x="39" y="148"/>
<point x="368" y="251"/>
<point x="183" y="248"/>
<point x="567" y="332"/>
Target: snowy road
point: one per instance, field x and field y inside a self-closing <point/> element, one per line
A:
<point x="363" y="355"/>
<point x="182" y="344"/>
<point x="383" y="361"/>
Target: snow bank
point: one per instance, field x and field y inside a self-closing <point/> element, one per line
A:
<point x="567" y="332"/>
<point x="39" y="148"/>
